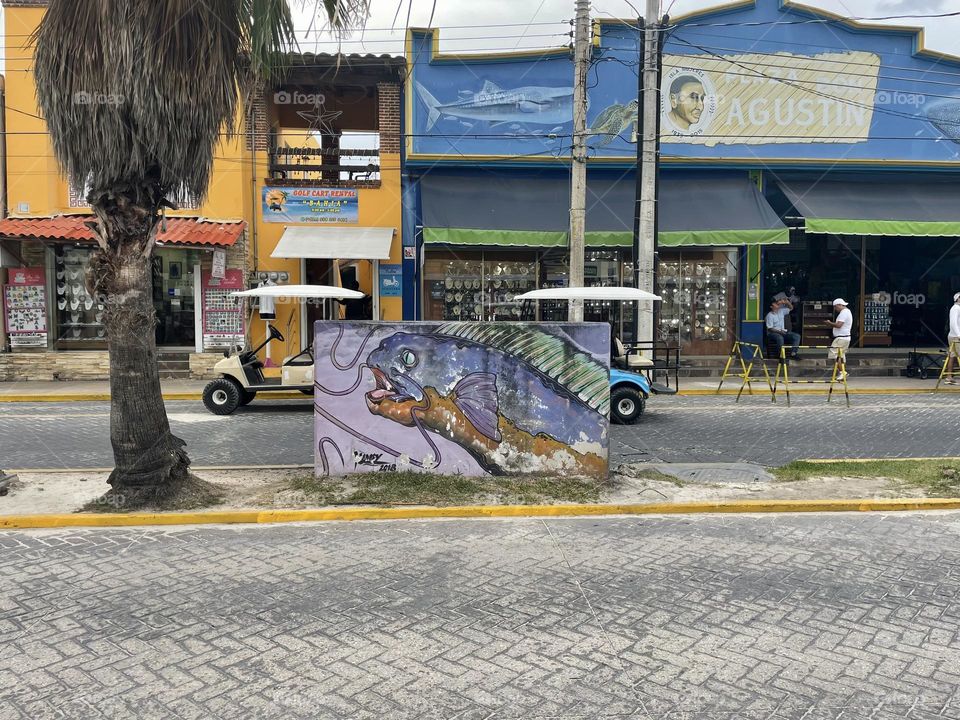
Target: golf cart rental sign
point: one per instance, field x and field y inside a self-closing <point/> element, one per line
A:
<point x="310" y="205"/>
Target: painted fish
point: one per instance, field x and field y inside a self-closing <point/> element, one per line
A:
<point x="529" y="104"/>
<point x="508" y="394"/>
<point x="944" y="115"/>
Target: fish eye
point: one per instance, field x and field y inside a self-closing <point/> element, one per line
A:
<point x="408" y="358"/>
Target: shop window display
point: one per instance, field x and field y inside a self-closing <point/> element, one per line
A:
<point x="79" y="314"/>
<point x="698" y="309"/>
<point x="477" y="286"/>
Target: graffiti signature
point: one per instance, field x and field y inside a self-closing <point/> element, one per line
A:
<point x="365" y="459"/>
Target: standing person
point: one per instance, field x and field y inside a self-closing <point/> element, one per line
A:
<point x="953" y="339"/>
<point x="356" y="309"/>
<point x="842" y="327"/>
<point x="777" y="329"/>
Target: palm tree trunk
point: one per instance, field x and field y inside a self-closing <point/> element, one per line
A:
<point x="149" y="460"/>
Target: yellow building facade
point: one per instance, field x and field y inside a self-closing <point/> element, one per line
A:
<point x="326" y="141"/>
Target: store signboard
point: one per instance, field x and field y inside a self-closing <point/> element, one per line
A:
<point x="222" y="313"/>
<point x="26" y="276"/>
<point x="219" y="266"/>
<point x="310" y="205"/>
<point x="391" y="280"/>
<point x="766" y="84"/>
<point x="25" y="307"/>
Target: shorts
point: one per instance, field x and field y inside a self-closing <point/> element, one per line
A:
<point x="839" y="343"/>
<point x="953" y="345"/>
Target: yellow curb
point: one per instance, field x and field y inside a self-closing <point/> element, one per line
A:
<point x="90" y="397"/>
<point x="808" y="391"/>
<point x="479" y="511"/>
<point x="827" y="461"/>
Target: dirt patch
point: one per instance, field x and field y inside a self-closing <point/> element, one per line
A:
<point x="63" y="493"/>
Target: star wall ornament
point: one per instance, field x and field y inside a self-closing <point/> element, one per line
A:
<point x="320" y="118"/>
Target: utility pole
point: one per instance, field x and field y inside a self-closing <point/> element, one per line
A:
<point x="578" y="180"/>
<point x="645" y="247"/>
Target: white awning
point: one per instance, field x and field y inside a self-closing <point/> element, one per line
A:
<point x="335" y="242"/>
<point x="588" y="293"/>
<point x="299" y="291"/>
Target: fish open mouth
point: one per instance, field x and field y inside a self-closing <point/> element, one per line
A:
<point x="384" y="389"/>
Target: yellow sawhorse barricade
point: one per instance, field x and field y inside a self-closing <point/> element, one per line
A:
<point x="838" y="375"/>
<point x="952" y="352"/>
<point x="746" y="356"/>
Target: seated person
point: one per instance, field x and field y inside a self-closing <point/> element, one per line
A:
<point x="776" y="329"/>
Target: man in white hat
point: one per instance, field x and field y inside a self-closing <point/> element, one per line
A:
<point x="842" y="327"/>
<point x="953" y="339"/>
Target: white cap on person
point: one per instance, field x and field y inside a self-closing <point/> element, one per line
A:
<point x="840" y="301"/>
<point x="956" y="298"/>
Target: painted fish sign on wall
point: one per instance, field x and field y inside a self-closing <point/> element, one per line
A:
<point x="468" y="398"/>
<point x="493" y="104"/>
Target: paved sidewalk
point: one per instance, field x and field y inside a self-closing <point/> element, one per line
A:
<point x="191" y="389"/>
<point x="694" y="618"/>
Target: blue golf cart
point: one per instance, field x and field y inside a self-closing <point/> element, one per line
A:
<point x="629" y="387"/>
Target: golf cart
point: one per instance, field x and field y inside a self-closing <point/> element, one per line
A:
<point x="241" y="372"/>
<point x="629" y="388"/>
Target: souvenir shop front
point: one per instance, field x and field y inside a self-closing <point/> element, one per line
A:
<point x="847" y="132"/>
<point x="48" y="308"/>
<point x="489" y="236"/>
<point x="888" y="244"/>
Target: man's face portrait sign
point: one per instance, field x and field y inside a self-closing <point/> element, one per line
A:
<point x="691" y="103"/>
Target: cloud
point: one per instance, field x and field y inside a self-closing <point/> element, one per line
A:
<point x="914" y="7"/>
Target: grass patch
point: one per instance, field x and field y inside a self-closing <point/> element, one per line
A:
<point x="938" y="478"/>
<point x="654" y="474"/>
<point x="414" y="488"/>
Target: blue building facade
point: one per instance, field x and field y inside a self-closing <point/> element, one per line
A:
<point x="801" y="154"/>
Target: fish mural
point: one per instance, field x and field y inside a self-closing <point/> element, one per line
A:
<point x="469" y="398"/>
<point x="497" y="106"/>
<point x="944" y="115"/>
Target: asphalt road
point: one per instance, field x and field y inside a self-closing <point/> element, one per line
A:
<point x="674" y="429"/>
<point x="692" y="618"/>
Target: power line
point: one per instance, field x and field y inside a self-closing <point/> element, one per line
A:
<point x="791" y="83"/>
<point x="818" y="59"/>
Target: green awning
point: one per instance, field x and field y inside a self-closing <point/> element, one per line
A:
<point x="895" y="208"/>
<point x="467" y="237"/>
<point x="891" y="228"/>
<point x="504" y="238"/>
<point x="516" y="209"/>
<point x="696" y="238"/>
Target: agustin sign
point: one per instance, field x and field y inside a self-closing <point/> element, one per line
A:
<point x="772" y="81"/>
<point x="826" y="98"/>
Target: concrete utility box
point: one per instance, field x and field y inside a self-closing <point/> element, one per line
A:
<point x="462" y="397"/>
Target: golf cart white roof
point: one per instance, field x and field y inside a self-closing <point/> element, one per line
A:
<point x="299" y="291"/>
<point x="588" y="293"/>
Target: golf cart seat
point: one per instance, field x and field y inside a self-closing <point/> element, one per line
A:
<point x="631" y="359"/>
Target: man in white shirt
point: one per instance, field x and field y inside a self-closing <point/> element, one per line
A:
<point x="842" y="327"/>
<point x="777" y="329"/>
<point x="953" y="339"/>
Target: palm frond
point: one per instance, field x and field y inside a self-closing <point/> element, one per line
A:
<point x="135" y="89"/>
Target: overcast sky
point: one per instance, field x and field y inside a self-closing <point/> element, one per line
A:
<point x="505" y="21"/>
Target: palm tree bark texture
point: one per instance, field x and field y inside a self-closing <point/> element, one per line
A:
<point x="136" y="95"/>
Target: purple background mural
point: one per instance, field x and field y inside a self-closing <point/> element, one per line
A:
<point x="462" y="398"/>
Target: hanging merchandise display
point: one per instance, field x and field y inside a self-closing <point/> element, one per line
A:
<point x="25" y="305"/>
<point x="222" y="313"/>
<point x="79" y="315"/>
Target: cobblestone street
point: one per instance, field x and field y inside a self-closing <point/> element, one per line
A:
<point x="687" y="618"/>
<point x="674" y="429"/>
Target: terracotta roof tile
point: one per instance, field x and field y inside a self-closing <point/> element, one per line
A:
<point x="66" y="228"/>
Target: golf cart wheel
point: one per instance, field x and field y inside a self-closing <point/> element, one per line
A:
<point x="247" y="396"/>
<point x="912" y="372"/>
<point x="221" y="396"/>
<point x="626" y="405"/>
<point x="924" y="374"/>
